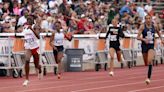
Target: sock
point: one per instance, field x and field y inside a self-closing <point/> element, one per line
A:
<point x="149" y="70"/>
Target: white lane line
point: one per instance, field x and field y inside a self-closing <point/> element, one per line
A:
<point x="125" y="84"/>
<point x="72" y="80"/>
<point x="145" y="89"/>
<point x="88" y="83"/>
<point x="52" y="82"/>
<point x="136" y="70"/>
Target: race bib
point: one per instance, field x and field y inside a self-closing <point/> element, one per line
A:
<point x="150" y="37"/>
<point x="30" y="42"/>
<point x="113" y="38"/>
<point x="115" y="31"/>
<point x="59" y="41"/>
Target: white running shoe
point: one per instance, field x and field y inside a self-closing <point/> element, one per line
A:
<point x="39" y="73"/>
<point x="59" y="76"/>
<point x="39" y="76"/>
<point x="147" y="81"/>
<point x="25" y="83"/>
<point x="111" y="73"/>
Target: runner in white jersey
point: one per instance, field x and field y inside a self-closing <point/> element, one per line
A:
<point x="56" y="42"/>
<point x="31" y="48"/>
<point x="114" y="34"/>
<point x="30" y="38"/>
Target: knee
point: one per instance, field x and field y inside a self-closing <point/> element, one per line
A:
<point x="58" y="61"/>
<point x="119" y="59"/>
<point x="36" y="60"/>
<point x="37" y="66"/>
<point x="111" y="58"/>
<point x="27" y="62"/>
<point x="149" y="63"/>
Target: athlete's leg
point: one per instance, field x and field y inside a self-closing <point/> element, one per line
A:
<point x="111" y="62"/>
<point x="55" y="52"/>
<point x="118" y="53"/>
<point x="27" y="67"/>
<point x="151" y="54"/>
<point x="59" y="57"/>
<point x="145" y="58"/>
<point x="36" y="61"/>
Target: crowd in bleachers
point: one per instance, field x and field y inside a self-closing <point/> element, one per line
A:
<point x="76" y="16"/>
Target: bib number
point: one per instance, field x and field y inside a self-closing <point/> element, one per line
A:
<point x="150" y="37"/>
<point x="31" y="41"/>
<point x="113" y="38"/>
<point x="59" y="41"/>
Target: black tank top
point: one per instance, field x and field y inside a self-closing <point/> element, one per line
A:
<point x="114" y="34"/>
<point x="148" y="33"/>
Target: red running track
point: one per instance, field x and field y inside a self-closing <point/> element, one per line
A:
<point x="124" y="80"/>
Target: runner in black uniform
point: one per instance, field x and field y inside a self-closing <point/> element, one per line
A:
<point x="114" y="33"/>
<point x="147" y="30"/>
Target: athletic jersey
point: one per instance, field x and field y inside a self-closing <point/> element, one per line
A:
<point x="58" y="39"/>
<point x="148" y="33"/>
<point x="114" y="33"/>
<point x="30" y="39"/>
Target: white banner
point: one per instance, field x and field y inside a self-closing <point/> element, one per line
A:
<point x="90" y="46"/>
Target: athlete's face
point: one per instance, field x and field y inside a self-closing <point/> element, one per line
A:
<point x="58" y="26"/>
<point x="148" y="19"/>
<point x="114" y="22"/>
<point x="30" y="21"/>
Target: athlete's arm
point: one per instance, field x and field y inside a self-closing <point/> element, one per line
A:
<point x="157" y="30"/>
<point x="52" y="39"/>
<point x="68" y="36"/>
<point x="108" y="32"/>
<point x="35" y="32"/>
<point x="121" y="33"/>
<point x="140" y="32"/>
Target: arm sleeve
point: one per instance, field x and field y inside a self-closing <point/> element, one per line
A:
<point x="108" y="32"/>
<point x="121" y="34"/>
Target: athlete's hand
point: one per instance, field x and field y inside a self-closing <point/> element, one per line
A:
<point x="30" y="27"/>
<point x="68" y="36"/>
<point x="55" y="48"/>
<point x="52" y="45"/>
<point x="146" y="41"/>
<point x="162" y="41"/>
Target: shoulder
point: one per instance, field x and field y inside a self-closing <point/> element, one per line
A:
<point x="142" y="26"/>
<point x="155" y="25"/>
<point x="29" y="28"/>
<point x="53" y="33"/>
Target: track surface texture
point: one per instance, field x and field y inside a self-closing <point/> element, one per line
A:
<point x="124" y="80"/>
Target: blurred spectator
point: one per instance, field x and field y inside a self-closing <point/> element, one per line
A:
<point x="162" y="14"/>
<point x="148" y="7"/>
<point x="76" y="16"/>
<point x="156" y="21"/>
<point x="1" y="6"/>
<point x="80" y="24"/>
<point x="125" y="8"/>
<point x="141" y="12"/>
<point x="63" y="23"/>
<point x="16" y="9"/>
<point x="89" y="27"/>
<point x="80" y="9"/>
<point x="45" y="23"/>
<point x="111" y="15"/>
<point x="23" y="19"/>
